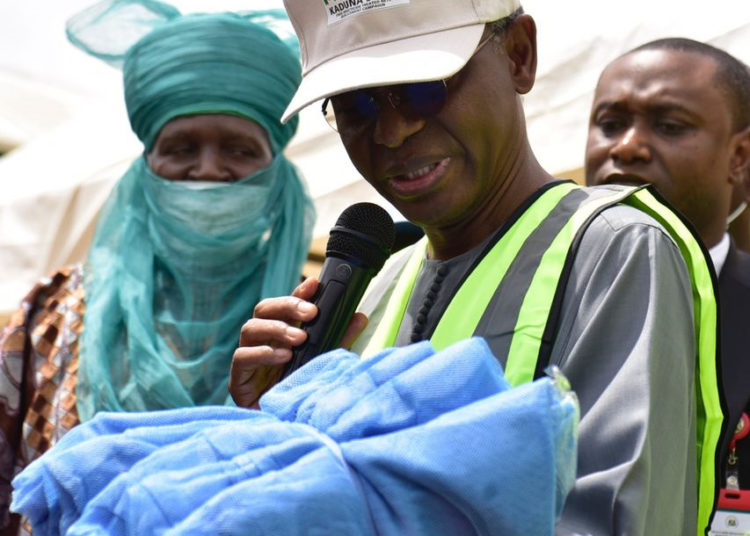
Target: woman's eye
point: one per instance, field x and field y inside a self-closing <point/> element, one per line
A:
<point x="179" y="150"/>
<point x="243" y="152"/>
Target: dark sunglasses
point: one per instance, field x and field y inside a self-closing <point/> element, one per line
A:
<point x="359" y="108"/>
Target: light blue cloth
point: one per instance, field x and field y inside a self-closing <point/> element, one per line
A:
<point x="408" y="442"/>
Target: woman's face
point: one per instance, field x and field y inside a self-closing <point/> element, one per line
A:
<point x="211" y="147"/>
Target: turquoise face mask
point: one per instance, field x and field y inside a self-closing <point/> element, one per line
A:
<point x="172" y="275"/>
<point x="218" y="209"/>
<point x="202" y="185"/>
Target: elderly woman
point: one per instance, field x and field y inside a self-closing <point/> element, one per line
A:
<point x="209" y="220"/>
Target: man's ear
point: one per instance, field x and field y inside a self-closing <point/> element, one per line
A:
<point x="739" y="164"/>
<point x="520" y="46"/>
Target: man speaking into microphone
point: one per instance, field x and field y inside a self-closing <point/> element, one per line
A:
<point x="602" y="282"/>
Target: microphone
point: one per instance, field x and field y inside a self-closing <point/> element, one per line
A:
<point x="407" y="234"/>
<point x="357" y="248"/>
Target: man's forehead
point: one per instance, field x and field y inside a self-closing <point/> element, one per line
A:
<point x="661" y="62"/>
<point x="655" y="73"/>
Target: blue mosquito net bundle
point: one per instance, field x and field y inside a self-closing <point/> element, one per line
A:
<point x="411" y="441"/>
<point x="174" y="272"/>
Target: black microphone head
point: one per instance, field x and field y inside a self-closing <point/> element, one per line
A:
<point x="407" y="233"/>
<point x="364" y="233"/>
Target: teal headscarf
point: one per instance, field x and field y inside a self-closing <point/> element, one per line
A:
<point x="173" y="272"/>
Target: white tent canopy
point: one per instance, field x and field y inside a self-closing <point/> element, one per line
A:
<point x="62" y="112"/>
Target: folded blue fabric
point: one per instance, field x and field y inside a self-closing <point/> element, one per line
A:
<point x="57" y="486"/>
<point x="412" y="441"/>
<point x="349" y="398"/>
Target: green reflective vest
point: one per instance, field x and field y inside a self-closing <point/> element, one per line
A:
<point x="535" y="314"/>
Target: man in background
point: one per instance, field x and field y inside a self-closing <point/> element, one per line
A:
<point x="675" y="113"/>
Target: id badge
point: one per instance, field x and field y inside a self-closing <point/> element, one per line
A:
<point x="732" y="517"/>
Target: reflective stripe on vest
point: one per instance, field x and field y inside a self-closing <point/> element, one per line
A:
<point x="708" y="400"/>
<point x="472" y="295"/>
<point x="550" y="226"/>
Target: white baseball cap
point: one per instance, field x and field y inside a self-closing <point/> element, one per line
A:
<point x="351" y="44"/>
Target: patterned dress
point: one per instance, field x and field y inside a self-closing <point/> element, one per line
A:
<point x="38" y="365"/>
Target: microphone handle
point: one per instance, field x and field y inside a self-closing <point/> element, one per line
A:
<point x="342" y="284"/>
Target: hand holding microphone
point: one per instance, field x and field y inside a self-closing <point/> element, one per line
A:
<point x="270" y="344"/>
<point x="357" y="248"/>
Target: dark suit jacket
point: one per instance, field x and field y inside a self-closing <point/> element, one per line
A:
<point x="734" y="318"/>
